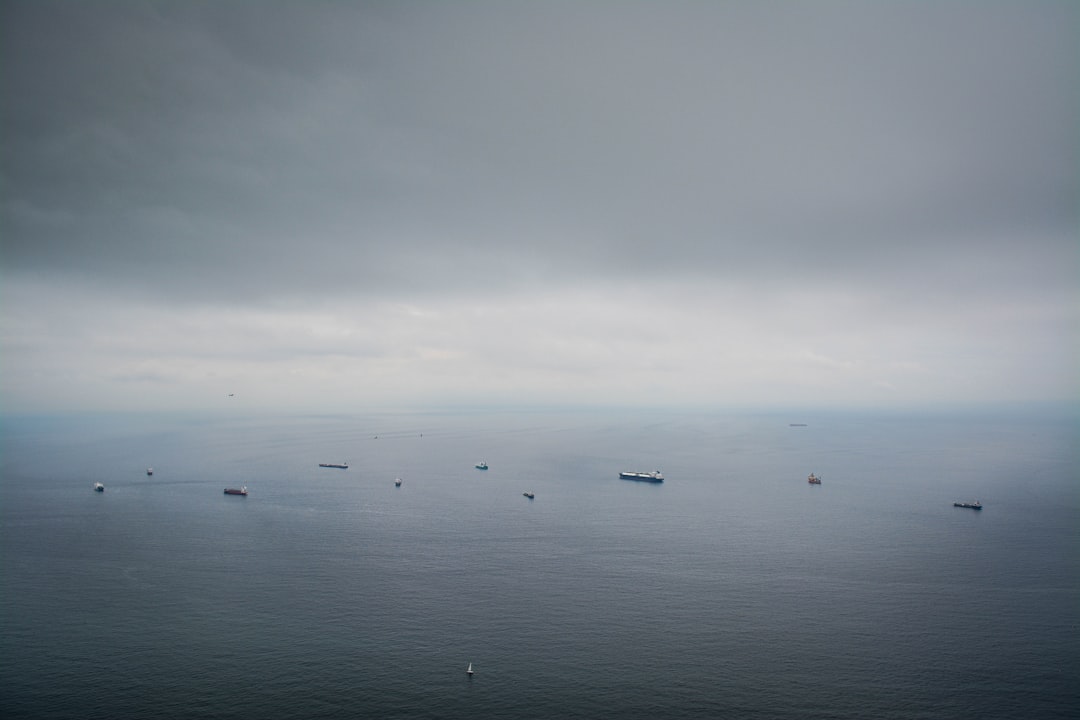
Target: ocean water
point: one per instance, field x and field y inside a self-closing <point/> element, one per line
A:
<point x="733" y="590"/>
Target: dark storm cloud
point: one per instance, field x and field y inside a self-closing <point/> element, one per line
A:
<point x="706" y="202"/>
<point x="248" y="149"/>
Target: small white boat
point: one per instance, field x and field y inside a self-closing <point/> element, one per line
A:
<point x="468" y="670"/>
<point x="98" y="487"/>
<point x="149" y="471"/>
<point x="397" y="483"/>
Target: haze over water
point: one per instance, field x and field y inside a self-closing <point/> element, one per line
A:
<point x="263" y="220"/>
<point x="734" y="589"/>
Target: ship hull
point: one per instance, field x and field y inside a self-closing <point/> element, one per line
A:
<point x="642" y="477"/>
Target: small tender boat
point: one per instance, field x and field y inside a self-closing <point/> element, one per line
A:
<point x="236" y="491"/>
<point x="468" y="670"/>
<point x="654" y="477"/>
<point x="340" y="466"/>
<point x="149" y="471"/>
<point x="98" y="487"/>
<point x="528" y="495"/>
<point x="397" y="483"/>
<point x="481" y="465"/>
<point x="972" y="505"/>
<point x="813" y="479"/>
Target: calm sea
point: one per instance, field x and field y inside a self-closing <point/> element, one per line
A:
<point x="733" y="590"/>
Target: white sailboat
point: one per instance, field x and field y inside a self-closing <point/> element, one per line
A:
<point x="468" y="670"/>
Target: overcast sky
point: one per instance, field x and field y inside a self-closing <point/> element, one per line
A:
<point x="345" y="205"/>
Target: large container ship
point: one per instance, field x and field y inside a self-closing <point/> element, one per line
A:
<point x="654" y="477"/>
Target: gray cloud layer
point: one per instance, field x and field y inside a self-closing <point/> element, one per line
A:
<point x="915" y="160"/>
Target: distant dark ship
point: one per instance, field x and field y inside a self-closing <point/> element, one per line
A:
<point x="528" y="495"/>
<point x="974" y="506"/>
<point x="98" y="487"/>
<point x="813" y="479"/>
<point x="654" y="477"/>
<point x="342" y="466"/>
<point x="149" y="471"/>
<point x="236" y="491"/>
<point x="481" y="465"/>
